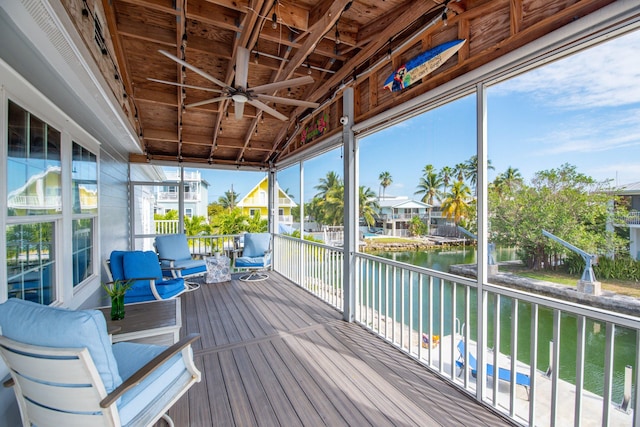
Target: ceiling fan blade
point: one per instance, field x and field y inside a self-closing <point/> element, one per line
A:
<point x="242" y="67"/>
<point x="264" y="107"/>
<point x="206" y="101"/>
<point x="287" y="101"/>
<point x="194" y="69"/>
<point x="269" y="87"/>
<point x="184" y="85"/>
<point x="239" y="109"/>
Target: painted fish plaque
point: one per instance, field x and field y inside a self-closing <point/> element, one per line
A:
<point x="421" y="65"/>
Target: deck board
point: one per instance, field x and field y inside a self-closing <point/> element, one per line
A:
<point x="273" y="354"/>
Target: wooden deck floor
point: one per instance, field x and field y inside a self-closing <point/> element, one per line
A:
<point x="272" y="354"/>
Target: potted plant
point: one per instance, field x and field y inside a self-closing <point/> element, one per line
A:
<point x="116" y="291"/>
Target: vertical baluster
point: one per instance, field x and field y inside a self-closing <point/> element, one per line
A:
<point x="441" y="331"/>
<point x="393" y="304"/>
<point x="380" y="296"/>
<point x="555" y="366"/>
<point x="496" y="347"/>
<point x="580" y="323"/>
<point x="420" y="314"/>
<point x="514" y="355"/>
<point x="608" y="373"/>
<point x="402" y="292"/>
<point x="533" y="363"/>
<point x="465" y="332"/>
<point x="430" y="290"/>
<point x="453" y="329"/>
<point x="411" y="313"/>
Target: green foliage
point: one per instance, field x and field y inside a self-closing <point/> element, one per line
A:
<point x="170" y="215"/>
<point x="562" y="201"/>
<point x="620" y="268"/>
<point x="229" y="200"/>
<point x="214" y="209"/>
<point x="417" y="227"/>
<point x="256" y="225"/>
<point x="117" y="287"/>
<point x="196" y="225"/>
<point x="231" y="222"/>
<point x="308" y="237"/>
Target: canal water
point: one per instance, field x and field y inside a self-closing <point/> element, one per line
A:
<point x="625" y="339"/>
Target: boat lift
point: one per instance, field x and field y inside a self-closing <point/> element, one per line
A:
<point x="492" y="247"/>
<point x="588" y="280"/>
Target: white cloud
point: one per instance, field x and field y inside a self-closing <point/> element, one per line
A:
<point x="603" y="76"/>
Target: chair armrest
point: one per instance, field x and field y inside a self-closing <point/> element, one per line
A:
<point x="147" y="369"/>
<point x="166" y="259"/>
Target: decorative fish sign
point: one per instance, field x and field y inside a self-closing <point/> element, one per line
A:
<point x="421" y="65"/>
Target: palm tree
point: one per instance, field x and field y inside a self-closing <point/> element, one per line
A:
<point x="446" y="173"/>
<point x="232" y="222"/>
<point x="228" y="201"/>
<point x="368" y="205"/>
<point x="460" y="171"/>
<point x="326" y="184"/>
<point x="511" y="178"/>
<point x="456" y="204"/>
<point x="195" y="225"/>
<point x="428" y="169"/>
<point x="429" y="185"/>
<point x="385" y="181"/>
<point x="471" y="170"/>
<point x="333" y="205"/>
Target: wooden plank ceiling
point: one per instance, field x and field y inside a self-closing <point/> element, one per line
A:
<point x="337" y="42"/>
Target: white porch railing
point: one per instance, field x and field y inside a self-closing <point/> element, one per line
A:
<point x="166" y="226"/>
<point x="313" y="266"/>
<point x="401" y="302"/>
<point x="208" y="245"/>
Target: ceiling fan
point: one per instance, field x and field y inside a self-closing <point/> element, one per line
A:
<point x="240" y="93"/>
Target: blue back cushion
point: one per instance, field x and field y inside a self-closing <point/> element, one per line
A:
<point x="46" y="326"/>
<point x="255" y="244"/>
<point x="173" y="246"/>
<point x="115" y="264"/>
<point x="141" y="265"/>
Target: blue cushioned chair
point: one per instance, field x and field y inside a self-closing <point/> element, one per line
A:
<point x="256" y="256"/>
<point x="175" y="257"/>
<point x="65" y="371"/>
<point x="144" y="269"/>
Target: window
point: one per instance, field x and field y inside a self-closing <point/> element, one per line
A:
<point x="253" y="212"/>
<point x="31" y="261"/>
<point x="188" y="212"/>
<point x="84" y="179"/>
<point x="34" y="190"/>
<point x="37" y="205"/>
<point x="33" y="165"/>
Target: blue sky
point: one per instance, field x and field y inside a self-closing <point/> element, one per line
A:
<point x="583" y="110"/>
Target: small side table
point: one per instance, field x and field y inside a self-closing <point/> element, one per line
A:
<point x="218" y="269"/>
<point x="152" y="322"/>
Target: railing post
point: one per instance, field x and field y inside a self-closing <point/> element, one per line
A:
<point x="350" y="207"/>
<point x="483" y="232"/>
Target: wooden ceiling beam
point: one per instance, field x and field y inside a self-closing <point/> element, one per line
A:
<point x="157" y="5"/>
<point x="331" y="10"/>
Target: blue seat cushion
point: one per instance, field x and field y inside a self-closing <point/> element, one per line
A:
<point x="133" y="356"/>
<point x="246" y="262"/>
<point x="167" y="289"/>
<point x="36" y="324"/>
<point x="195" y="265"/>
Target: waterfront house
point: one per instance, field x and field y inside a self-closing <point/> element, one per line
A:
<point x="75" y="73"/>
<point x="396" y="214"/>
<point x="196" y="193"/>
<point x="630" y="194"/>
<point x="256" y="202"/>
